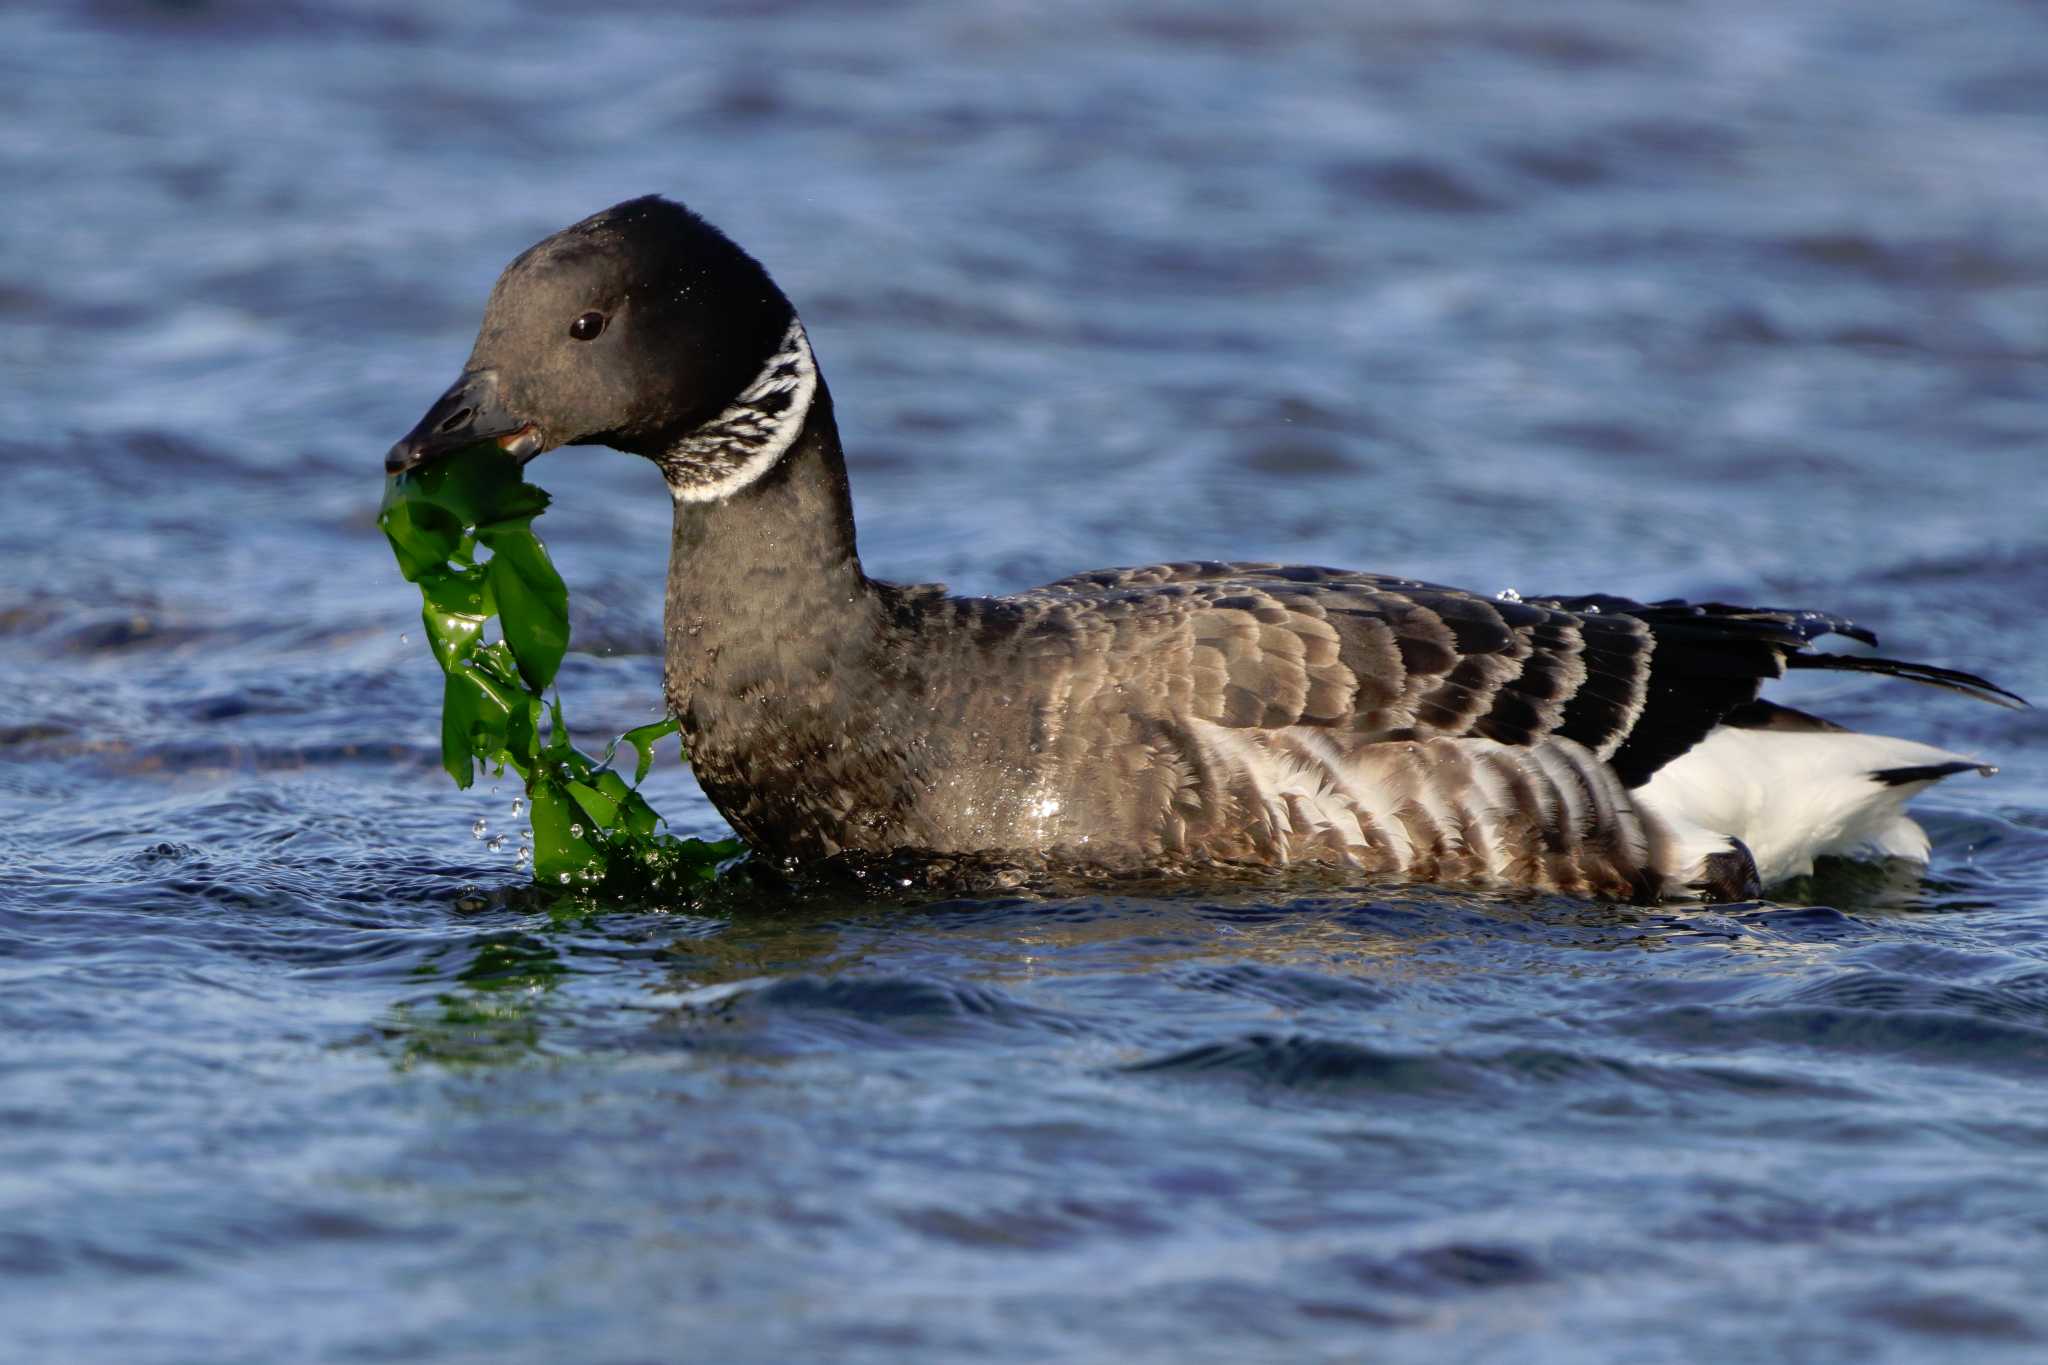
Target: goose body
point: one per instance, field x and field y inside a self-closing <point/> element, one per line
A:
<point x="1171" y="717"/>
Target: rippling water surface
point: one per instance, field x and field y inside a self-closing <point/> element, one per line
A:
<point x="1746" y="300"/>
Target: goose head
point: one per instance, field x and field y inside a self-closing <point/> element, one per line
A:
<point x="643" y="328"/>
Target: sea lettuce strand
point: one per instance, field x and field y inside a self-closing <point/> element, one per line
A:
<point x="462" y="531"/>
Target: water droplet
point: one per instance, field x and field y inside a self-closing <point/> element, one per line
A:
<point x="518" y="806"/>
<point x="564" y="878"/>
<point x="497" y="843"/>
<point x="1507" y="595"/>
<point x="403" y="638"/>
<point x="1592" y="609"/>
<point x="520" y="855"/>
<point x="575" y="831"/>
<point x="479" y="827"/>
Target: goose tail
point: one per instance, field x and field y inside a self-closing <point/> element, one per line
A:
<point x="1788" y="793"/>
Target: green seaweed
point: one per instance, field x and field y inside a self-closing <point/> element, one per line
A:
<point x="461" y="529"/>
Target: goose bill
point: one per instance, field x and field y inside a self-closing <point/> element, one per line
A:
<point x="472" y="411"/>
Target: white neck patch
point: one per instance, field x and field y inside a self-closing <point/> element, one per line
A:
<point x="757" y="429"/>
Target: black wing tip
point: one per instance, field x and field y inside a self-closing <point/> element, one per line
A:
<point x="1930" y="675"/>
<point x="1807" y="624"/>
<point x="1795" y="628"/>
<point x="1792" y="623"/>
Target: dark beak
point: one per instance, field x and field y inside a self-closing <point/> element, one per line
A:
<point x="472" y="411"/>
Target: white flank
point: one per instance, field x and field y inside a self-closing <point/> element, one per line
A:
<point x="1791" y="795"/>
<point x="743" y="442"/>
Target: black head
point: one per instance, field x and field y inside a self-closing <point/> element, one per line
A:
<point x="629" y="329"/>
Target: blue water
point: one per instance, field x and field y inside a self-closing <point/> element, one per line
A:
<point x="1746" y="300"/>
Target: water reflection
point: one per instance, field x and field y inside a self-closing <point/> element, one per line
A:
<point x="758" y="970"/>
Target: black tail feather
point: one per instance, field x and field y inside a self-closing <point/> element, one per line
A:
<point x="1928" y="772"/>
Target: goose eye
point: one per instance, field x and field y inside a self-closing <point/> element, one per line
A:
<point x="587" y="326"/>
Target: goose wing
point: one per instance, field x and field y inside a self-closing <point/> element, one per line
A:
<point x="1384" y="658"/>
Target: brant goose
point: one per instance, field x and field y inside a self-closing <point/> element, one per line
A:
<point x="1179" y="717"/>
